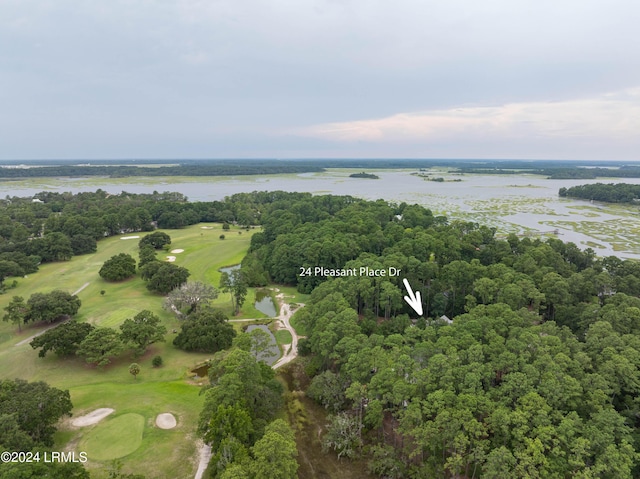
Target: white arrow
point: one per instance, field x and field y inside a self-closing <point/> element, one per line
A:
<point x="413" y="300"/>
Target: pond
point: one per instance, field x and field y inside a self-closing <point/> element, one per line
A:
<point x="202" y="370"/>
<point x="229" y="269"/>
<point x="264" y="303"/>
<point x="273" y="353"/>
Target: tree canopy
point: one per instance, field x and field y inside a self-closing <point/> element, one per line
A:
<point x="118" y="267"/>
<point x="50" y="307"/>
<point x="206" y="330"/>
<point x="142" y="331"/>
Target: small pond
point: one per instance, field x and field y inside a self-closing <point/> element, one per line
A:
<point x="229" y="269"/>
<point x="264" y="303"/>
<point x="202" y="370"/>
<point x="273" y="353"/>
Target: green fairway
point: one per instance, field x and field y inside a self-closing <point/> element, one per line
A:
<point x="117" y="437"/>
<point x="144" y="448"/>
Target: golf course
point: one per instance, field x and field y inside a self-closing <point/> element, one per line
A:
<point x="130" y="433"/>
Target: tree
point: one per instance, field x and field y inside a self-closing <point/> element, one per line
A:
<point x="238" y="379"/>
<point x="54" y="247"/>
<point x="118" y="267"/>
<point x="147" y="255"/>
<point x="141" y="331"/>
<point x="62" y="340"/>
<point x="100" y="346"/>
<point x="16" y="311"/>
<point x="275" y="453"/>
<point x="157" y="240"/>
<point x="49" y="307"/>
<point x="37" y="407"/>
<point x="228" y="421"/>
<point x="134" y="369"/>
<point x="343" y="435"/>
<point x="167" y="277"/>
<point x="83" y="244"/>
<point x="185" y="299"/>
<point x="206" y="331"/>
<point x="9" y="268"/>
<point x="42" y="469"/>
<point x="236" y="285"/>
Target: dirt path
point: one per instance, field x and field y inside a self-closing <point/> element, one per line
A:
<point x="291" y="352"/>
<point x="30" y="338"/>
<point x="205" y="457"/>
<point x="284" y="319"/>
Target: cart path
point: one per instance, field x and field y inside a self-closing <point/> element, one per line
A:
<point x="290" y="354"/>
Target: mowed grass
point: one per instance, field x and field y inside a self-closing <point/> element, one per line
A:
<point x="283" y="337"/>
<point x="114" y="438"/>
<point x="161" y="453"/>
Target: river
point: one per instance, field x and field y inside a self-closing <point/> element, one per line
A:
<point x="510" y="203"/>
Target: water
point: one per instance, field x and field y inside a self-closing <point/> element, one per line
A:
<point x="510" y="203"/>
<point x="229" y="269"/>
<point x="273" y="347"/>
<point x="264" y="303"/>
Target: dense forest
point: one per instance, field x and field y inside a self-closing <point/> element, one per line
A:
<point x="181" y="167"/>
<point x="559" y="172"/>
<point x="122" y="171"/>
<point x="525" y="364"/>
<point x="609" y="193"/>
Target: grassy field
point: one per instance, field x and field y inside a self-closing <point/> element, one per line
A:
<point x="142" y="446"/>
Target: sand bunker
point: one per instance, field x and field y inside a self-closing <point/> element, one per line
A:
<point x="176" y="251"/>
<point x="206" y="227"/>
<point x="166" y="420"/>
<point x="129" y="237"/>
<point x="93" y="417"/>
<point x="171" y="259"/>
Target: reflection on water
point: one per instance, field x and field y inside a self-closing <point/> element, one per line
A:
<point x="264" y="303"/>
<point x="229" y="269"/>
<point x="273" y="353"/>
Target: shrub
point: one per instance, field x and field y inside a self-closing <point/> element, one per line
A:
<point x="156" y="362"/>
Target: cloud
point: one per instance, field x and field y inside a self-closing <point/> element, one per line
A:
<point x="614" y="116"/>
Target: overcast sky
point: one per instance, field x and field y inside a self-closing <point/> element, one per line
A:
<point x="320" y="78"/>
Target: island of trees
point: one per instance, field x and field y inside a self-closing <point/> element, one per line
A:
<point x="608" y="193"/>
<point x="362" y="174"/>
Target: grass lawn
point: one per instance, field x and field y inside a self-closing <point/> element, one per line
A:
<point x="283" y="337"/>
<point x="144" y="448"/>
<point x="114" y="438"/>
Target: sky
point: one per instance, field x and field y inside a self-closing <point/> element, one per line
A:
<point x="503" y="79"/>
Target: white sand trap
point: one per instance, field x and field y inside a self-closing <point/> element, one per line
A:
<point x="129" y="237"/>
<point x="166" y="420"/>
<point x="93" y="417"/>
<point x="206" y="227"/>
<point x="176" y="251"/>
<point x="171" y="259"/>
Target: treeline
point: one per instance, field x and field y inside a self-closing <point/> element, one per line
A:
<point x="122" y="171"/>
<point x="557" y="172"/>
<point x="56" y="226"/>
<point x="609" y="193"/>
<point x="525" y="363"/>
